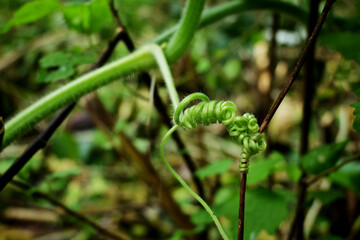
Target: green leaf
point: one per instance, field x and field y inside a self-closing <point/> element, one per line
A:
<point x="64" y="174"/>
<point x="62" y="65"/>
<point x="201" y="217"/>
<point x="347" y="43"/>
<point x="232" y="68"/>
<point x="65" y="146"/>
<point x="348" y="176"/>
<point x="332" y="237"/>
<point x="293" y="171"/>
<point x="262" y="168"/>
<point x="88" y="17"/>
<point x="265" y="210"/>
<point x="327" y="197"/>
<point x="30" y="12"/>
<point x="321" y="158"/>
<point x="356" y="113"/>
<point x="214" y="168"/>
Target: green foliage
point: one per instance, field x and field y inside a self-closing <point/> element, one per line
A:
<point x="61" y="65"/>
<point x="30" y="12"/>
<point x="347" y="43"/>
<point x="356" y="105"/>
<point x="327" y="197"/>
<point x="321" y="158"/>
<point x="265" y="210"/>
<point x="348" y="176"/>
<point x="214" y="168"/>
<point x="89" y="17"/>
<point x="262" y="168"/>
<point x="64" y="145"/>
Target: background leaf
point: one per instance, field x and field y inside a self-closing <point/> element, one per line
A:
<point x="214" y="168"/>
<point x="347" y="43"/>
<point x="262" y="168"/>
<point x="30" y="12"/>
<point x="321" y="158"/>
<point x="61" y="65"/>
<point x="356" y="113"/>
<point x="88" y="17"/>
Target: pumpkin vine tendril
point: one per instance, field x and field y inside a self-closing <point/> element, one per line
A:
<point x="244" y="128"/>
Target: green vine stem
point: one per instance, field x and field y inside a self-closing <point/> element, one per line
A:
<point x="188" y="26"/>
<point x="223" y="10"/>
<point x="244" y="128"/>
<point x="138" y="61"/>
<point x="144" y="57"/>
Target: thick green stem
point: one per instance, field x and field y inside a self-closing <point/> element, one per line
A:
<point x="138" y="61"/>
<point x="188" y="26"/>
<point x="72" y="91"/>
<point x="221" y="11"/>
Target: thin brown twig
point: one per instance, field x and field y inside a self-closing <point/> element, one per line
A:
<point x="311" y="180"/>
<point x="2" y="130"/>
<point x="298" y="65"/>
<point x="82" y="218"/>
<point x="127" y="39"/>
<point x="242" y="206"/>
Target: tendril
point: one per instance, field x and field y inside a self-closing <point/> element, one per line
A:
<point x="244" y="128"/>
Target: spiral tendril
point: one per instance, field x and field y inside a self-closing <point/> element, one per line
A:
<point x="244" y="128"/>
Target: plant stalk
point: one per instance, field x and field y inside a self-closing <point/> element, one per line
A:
<point x="298" y="66"/>
<point x="241" y="224"/>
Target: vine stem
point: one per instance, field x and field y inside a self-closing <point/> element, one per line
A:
<point x="241" y="224"/>
<point x="137" y="61"/>
<point x="186" y="186"/>
<point x="2" y="130"/>
<point x="298" y="65"/>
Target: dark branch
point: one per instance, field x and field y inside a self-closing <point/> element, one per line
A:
<point x="311" y="180"/>
<point x="242" y="206"/>
<point x="2" y="130"/>
<point x="298" y="66"/>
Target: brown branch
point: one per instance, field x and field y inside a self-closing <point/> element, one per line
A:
<point x="82" y="218"/>
<point x="298" y="65"/>
<point x="311" y="180"/>
<point x="2" y="130"/>
<point x="121" y="28"/>
<point x="297" y="226"/>
<point x="242" y="206"/>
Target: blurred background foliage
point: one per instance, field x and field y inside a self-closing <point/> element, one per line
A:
<point x="45" y="44"/>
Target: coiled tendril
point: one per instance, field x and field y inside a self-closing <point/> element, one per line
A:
<point x="244" y="128"/>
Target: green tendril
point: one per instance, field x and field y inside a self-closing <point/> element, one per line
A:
<point x="244" y="128"/>
<point x="184" y="184"/>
